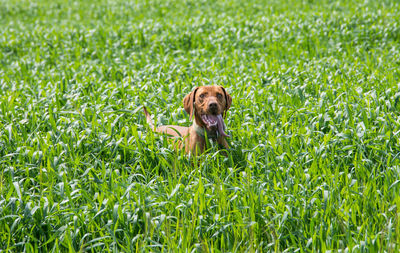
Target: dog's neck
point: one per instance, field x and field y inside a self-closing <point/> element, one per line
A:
<point x="202" y="131"/>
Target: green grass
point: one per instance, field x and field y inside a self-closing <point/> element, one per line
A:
<point x="315" y="126"/>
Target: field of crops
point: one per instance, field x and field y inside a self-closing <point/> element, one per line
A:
<point x="315" y="125"/>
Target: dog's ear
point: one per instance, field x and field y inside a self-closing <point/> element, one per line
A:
<point x="228" y="101"/>
<point x="188" y="102"/>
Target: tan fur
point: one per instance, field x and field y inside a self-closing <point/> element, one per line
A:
<point x="197" y="103"/>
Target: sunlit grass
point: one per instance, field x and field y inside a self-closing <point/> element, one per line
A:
<point x="314" y="163"/>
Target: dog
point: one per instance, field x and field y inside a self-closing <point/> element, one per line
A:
<point x="208" y="106"/>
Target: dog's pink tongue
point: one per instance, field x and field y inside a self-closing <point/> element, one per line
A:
<point x="210" y="120"/>
<point x="220" y="121"/>
<point x="215" y="121"/>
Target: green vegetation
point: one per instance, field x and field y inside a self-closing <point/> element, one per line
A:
<point x="315" y="126"/>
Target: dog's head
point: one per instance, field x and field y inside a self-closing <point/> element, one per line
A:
<point x="209" y="105"/>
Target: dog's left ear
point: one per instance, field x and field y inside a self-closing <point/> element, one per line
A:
<point x="188" y="102"/>
<point x="228" y="100"/>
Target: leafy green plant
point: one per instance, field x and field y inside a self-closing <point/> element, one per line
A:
<point x="314" y="159"/>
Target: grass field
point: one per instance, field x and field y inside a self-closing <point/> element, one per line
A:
<point x="315" y="125"/>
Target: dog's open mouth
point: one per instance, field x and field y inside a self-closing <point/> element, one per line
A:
<point x="215" y="122"/>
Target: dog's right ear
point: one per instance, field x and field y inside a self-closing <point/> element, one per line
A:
<point x="188" y="102"/>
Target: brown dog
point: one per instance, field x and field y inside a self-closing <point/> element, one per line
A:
<point x="208" y="105"/>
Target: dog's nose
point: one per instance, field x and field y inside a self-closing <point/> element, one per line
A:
<point x="213" y="105"/>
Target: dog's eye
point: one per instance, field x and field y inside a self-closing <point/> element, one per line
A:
<point x="201" y="95"/>
<point x="219" y="96"/>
